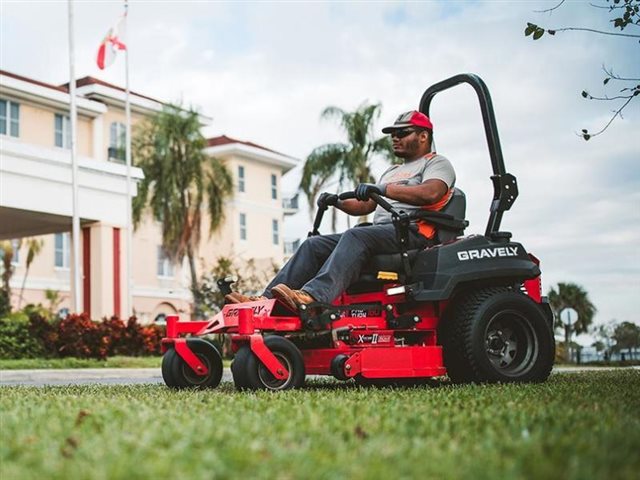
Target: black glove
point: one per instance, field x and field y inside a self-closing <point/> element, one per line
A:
<point x="364" y="190"/>
<point x="327" y="199"/>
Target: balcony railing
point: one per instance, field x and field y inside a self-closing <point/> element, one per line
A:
<point x="116" y="154"/>
<point x="290" y="205"/>
<point x="290" y="247"/>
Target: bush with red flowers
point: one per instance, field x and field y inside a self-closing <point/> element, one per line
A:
<point x="79" y="336"/>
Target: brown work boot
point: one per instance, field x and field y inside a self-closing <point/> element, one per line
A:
<point x="291" y="298"/>
<point x="235" y="297"/>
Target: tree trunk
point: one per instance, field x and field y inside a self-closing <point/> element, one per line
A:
<point x="194" y="284"/>
<point x="24" y="281"/>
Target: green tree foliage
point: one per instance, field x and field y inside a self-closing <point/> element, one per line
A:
<point x="350" y="162"/>
<point x="604" y="334"/>
<point x="249" y="280"/>
<point x="570" y="295"/>
<point x="180" y="180"/>
<point x="627" y="335"/>
<point x="624" y="13"/>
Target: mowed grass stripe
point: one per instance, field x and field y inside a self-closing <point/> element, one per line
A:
<point x="575" y="426"/>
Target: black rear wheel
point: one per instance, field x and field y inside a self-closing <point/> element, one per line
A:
<point x="497" y="335"/>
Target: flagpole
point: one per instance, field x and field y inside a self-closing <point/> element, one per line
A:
<point x="75" y="225"/>
<point x="128" y="159"/>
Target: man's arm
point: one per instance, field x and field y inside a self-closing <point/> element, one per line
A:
<point x="356" y="207"/>
<point x="427" y="193"/>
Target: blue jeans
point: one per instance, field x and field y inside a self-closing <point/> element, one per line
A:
<point x="325" y="265"/>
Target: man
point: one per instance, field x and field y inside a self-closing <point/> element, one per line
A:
<point x="325" y="265"/>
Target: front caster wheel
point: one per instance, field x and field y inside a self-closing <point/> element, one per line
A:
<point x="250" y="373"/>
<point x="178" y="374"/>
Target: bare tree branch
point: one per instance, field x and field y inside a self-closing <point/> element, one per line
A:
<point x="617" y="77"/>
<point x="618" y="112"/>
<point x="591" y="97"/>
<point x="607" y="7"/>
<point x="550" y="9"/>
<point x="554" y="30"/>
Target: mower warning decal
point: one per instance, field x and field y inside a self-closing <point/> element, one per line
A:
<point x="488" y="253"/>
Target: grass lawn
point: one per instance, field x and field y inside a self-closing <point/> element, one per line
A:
<point x="575" y="426"/>
<point x="111" y="362"/>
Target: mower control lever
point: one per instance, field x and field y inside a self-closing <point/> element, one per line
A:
<point x="346" y="196"/>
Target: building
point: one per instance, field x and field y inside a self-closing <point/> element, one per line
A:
<point x="35" y="200"/>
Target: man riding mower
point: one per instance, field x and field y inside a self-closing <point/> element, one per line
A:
<point x="428" y="302"/>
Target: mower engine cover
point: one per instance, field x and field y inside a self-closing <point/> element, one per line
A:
<point x="437" y="271"/>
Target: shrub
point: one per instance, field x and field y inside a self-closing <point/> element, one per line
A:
<point x="76" y="336"/>
<point x="79" y="336"/>
<point x="45" y="331"/>
<point x="16" y="340"/>
<point x="134" y="339"/>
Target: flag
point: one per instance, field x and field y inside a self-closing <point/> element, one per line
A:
<point x="113" y="41"/>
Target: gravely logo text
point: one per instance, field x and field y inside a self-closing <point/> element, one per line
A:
<point x="488" y="253"/>
<point x="258" y="311"/>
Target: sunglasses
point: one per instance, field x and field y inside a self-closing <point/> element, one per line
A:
<point x="403" y="132"/>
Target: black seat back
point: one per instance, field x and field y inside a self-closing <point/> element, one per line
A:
<point x="392" y="262"/>
<point x="457" y="207"/>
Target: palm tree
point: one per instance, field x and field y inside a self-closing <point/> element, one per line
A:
<point x="7" y="270"/>
<point x="350" y="161"/>
<point x="570" y="295"/>
<point x="179" y="179"/>
<point x="34" y="246"/>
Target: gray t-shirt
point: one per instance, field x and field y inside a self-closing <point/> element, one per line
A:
<point x="414" y="173"/>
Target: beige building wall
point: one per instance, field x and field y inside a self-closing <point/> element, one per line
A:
<point x="153" y="293"/>
<point x="37" y="127"/>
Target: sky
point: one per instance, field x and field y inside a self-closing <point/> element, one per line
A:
<point x="264" y="71"/>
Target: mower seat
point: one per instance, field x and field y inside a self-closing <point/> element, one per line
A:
<point x="392" y="263"/>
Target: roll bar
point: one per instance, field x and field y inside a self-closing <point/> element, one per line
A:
<point x="505" y="187"/>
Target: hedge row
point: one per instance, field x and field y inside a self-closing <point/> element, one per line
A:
<point x="76" y="336"/>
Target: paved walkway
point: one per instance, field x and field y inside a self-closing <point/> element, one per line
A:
<point x="130" y="376"/>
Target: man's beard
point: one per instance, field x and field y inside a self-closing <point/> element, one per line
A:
<point x="410" y="150"/>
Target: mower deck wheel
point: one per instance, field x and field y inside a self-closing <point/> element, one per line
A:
<point x="337" y="366"/>
<point x="239" y="368"/>
<point x="180" y="374"/>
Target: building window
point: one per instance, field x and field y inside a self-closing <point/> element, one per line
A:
<point x="9" y="118"/>
<point x="62" y="250"/>
<point x="243" y="226"/>
<point x="117" y="141"/>
<point x="240" y="178"/>
<point x="274" y="187"/>
<point x="63" y="131"/>
<point x="165" y="267"/>
<point x="276" y="232"/>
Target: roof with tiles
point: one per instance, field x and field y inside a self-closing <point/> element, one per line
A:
<point x="225" y="140"/>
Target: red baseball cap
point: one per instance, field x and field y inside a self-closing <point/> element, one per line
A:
<point x="410" y="119"/>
